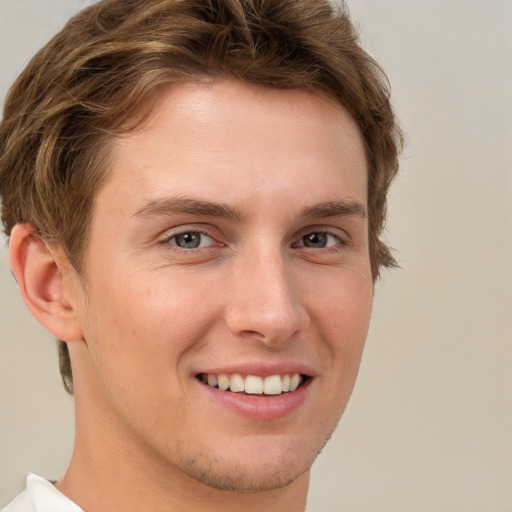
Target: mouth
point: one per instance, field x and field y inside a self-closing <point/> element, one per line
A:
<point x="272" y="385"/>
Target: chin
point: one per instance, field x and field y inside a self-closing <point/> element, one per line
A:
<point x="270" y="466"/>
<point x="245" y="479"/>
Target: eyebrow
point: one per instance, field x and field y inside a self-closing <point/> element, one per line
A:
<point x="175" y="205"/>
<point x="170" y="206"/>
<point x="343" y="208"/>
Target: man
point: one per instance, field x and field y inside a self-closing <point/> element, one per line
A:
<point x="194" y="192"/>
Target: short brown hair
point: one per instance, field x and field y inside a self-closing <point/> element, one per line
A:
<point x="98" y="74"/>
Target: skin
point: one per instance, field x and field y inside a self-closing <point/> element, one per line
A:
<point x="147" y="315"/>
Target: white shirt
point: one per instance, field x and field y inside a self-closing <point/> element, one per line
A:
<point x="41" y="496"/>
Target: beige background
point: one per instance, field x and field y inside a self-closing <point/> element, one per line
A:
<point x="429" y="427"/>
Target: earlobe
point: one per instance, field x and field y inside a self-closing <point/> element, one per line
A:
<point x="41" y="279"/>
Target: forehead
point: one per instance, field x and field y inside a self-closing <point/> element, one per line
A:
<point x="232" y="105"/>
<point x="228" y="136"/>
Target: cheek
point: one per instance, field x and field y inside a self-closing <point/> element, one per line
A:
<point x="347" y="330"/>
<point x="342" y="313"/>
<point x="345" y="297"/>
<point x="152" y="317"/>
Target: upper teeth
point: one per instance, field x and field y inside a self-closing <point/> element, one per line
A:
<point x="253" y="384"/>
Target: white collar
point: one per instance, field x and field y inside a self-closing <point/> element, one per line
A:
<point x="45" y="497"/>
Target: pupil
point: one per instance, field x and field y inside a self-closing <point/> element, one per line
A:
<point x="315" y="240"/>
<point x="189" y="240"/>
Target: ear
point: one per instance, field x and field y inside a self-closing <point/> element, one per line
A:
<point x="43" y="280"/>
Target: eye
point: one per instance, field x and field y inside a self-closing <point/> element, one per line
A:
<point x="191" y="240"/>
<point x="318" y="240"/>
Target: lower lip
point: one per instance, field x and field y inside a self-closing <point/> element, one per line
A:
<point x="260" y="407"/>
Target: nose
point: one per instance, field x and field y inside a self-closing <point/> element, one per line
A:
<point x="265" y="301"/>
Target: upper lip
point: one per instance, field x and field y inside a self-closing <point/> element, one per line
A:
<point x="260" y="369"/>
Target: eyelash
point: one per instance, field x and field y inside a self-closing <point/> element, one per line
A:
<point x="333" y="248"/>
<point x="166" y="242"/>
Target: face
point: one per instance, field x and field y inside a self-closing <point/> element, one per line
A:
<point x="229" y="247"/>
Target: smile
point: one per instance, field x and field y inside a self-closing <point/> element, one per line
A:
<point x="254" y="384"/>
